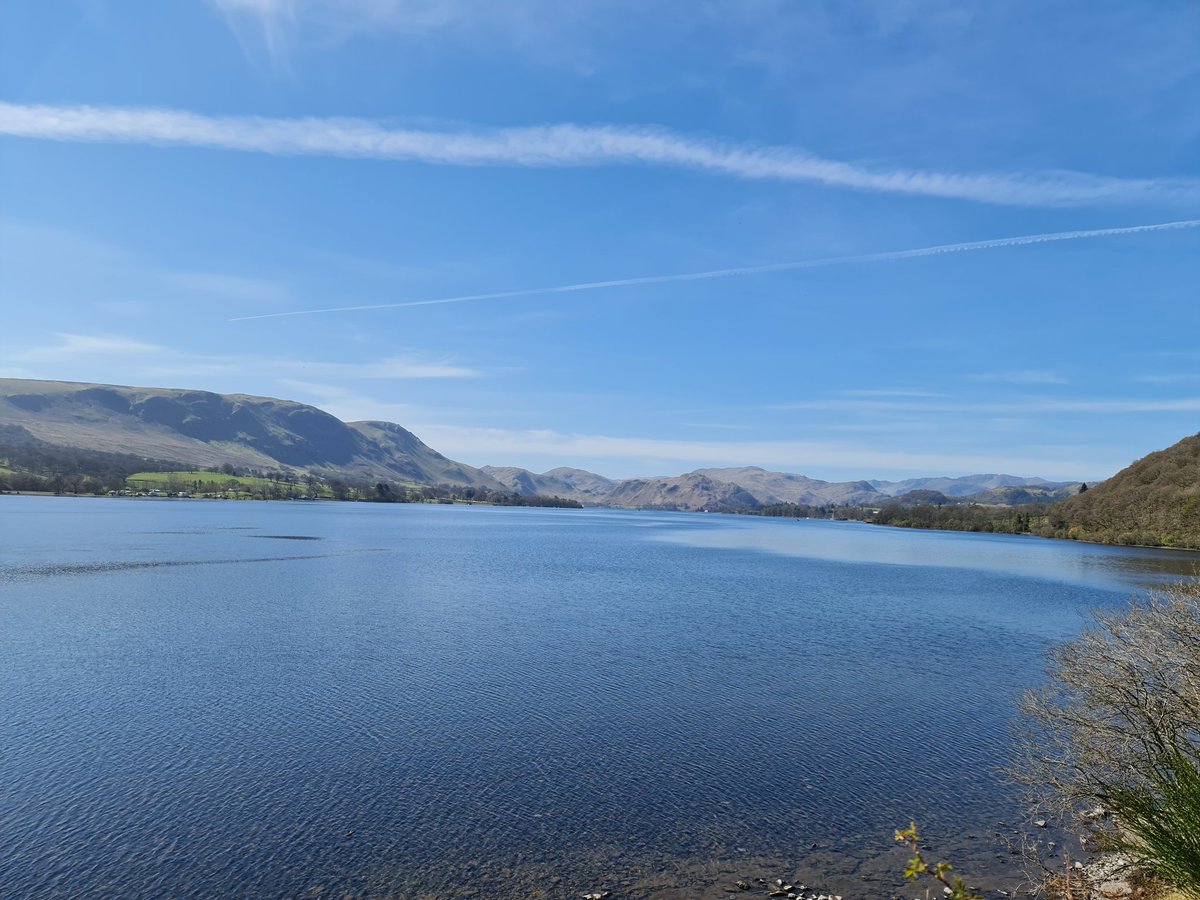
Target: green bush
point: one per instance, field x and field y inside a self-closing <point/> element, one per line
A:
<point x="1158" y="824"/>
<point x="1117" y="726"/>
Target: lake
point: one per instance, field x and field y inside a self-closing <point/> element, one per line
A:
<point x="219" y="699"/>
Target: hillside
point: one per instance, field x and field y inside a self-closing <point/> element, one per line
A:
<point x="1154" y="501"/>
<point x="402" y="454"/>
<point x="963" y="486"/>
<point x="686" y="492"/>
<point x="203" y="429"/>
<point x="1018" y="495"/>
<point x="749" y="488"/>
<point x="565" y="482"/>
<point x="199" y="429"/>
<point x="784" y="487"/>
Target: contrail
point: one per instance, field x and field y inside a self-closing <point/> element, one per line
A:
<point x="568" y="145"/>
<point x="993" y="244"/>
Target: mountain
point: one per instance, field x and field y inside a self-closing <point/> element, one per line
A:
<point x="958" y="487"/>
<point x="202" y="429"/>
<point x="1042" y="494"/>
<point x="784" y="487"/>
<point x="920" y="497"/>
<point x="1153" y="501"/>
<point x="1016" y="495"/>
<point x="752" y="487"/>
<point x="565" y="482"/>
<point x="693" y="491"/>
<point x="403" y="454"/>
<point x="748" y="487"/>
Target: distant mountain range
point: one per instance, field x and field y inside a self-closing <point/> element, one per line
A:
<point x="957" y="487"/>
<point x="202" y="429"/>
<point x="751" y="487"/>
<point x="565" y="482"/>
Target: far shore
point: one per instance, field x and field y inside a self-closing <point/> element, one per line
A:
<point x="457" y="502"/>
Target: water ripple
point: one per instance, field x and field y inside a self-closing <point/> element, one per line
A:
<point x="510" y="703"/>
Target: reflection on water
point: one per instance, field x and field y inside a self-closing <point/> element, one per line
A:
<point x="1111" y="568"/>
<point x="509" y="702"/>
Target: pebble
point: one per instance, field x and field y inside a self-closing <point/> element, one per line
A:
<point x="798" y="894"/>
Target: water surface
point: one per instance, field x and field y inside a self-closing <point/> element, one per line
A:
<point x="203" y="698"/>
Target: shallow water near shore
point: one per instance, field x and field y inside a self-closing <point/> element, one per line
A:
<point x="203" y="699"/>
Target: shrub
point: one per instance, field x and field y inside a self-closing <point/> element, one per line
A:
<point x="1118" y="726"/>
<point x="1159" y="824"/>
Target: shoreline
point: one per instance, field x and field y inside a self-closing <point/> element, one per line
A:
<point x="1022" y="534"/>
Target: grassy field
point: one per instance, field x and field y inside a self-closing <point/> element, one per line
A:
<point x="214" y="481"/>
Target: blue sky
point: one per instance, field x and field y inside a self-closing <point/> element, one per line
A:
<point x="177" y="180"/>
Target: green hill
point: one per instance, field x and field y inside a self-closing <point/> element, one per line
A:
<point x="1155" y="502"/>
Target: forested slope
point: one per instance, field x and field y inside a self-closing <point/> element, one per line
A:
<point x="1155" y="501"/>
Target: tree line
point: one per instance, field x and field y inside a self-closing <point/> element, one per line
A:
<point x="28" y="464"/>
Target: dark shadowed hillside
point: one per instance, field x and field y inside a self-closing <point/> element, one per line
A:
<point x="1154" y="501"/>
<point x="401" y="452"/>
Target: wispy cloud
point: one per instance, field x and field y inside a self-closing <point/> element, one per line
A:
<point x="147" y="360"/>
<point x="1182" y="378"/>
<point x="399" y="367"/>
<point x="349" y="405"/>
<point x="48" y="253"/>
<point x="891" y="255"/>
<point x="1030" y="406"/>
<point x="1024" y="376"/>
<point x="546" y="31"/>
<point x="887" y="392"/>
<point x="637" y="453"/>
<point x="279" y="19"/>
<point x="74" y="346"/>
<point x="565" y="145"/>
<point x="275" y="20"/>
<point x="232" y="287"/>
<point x="717" y="426"/>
